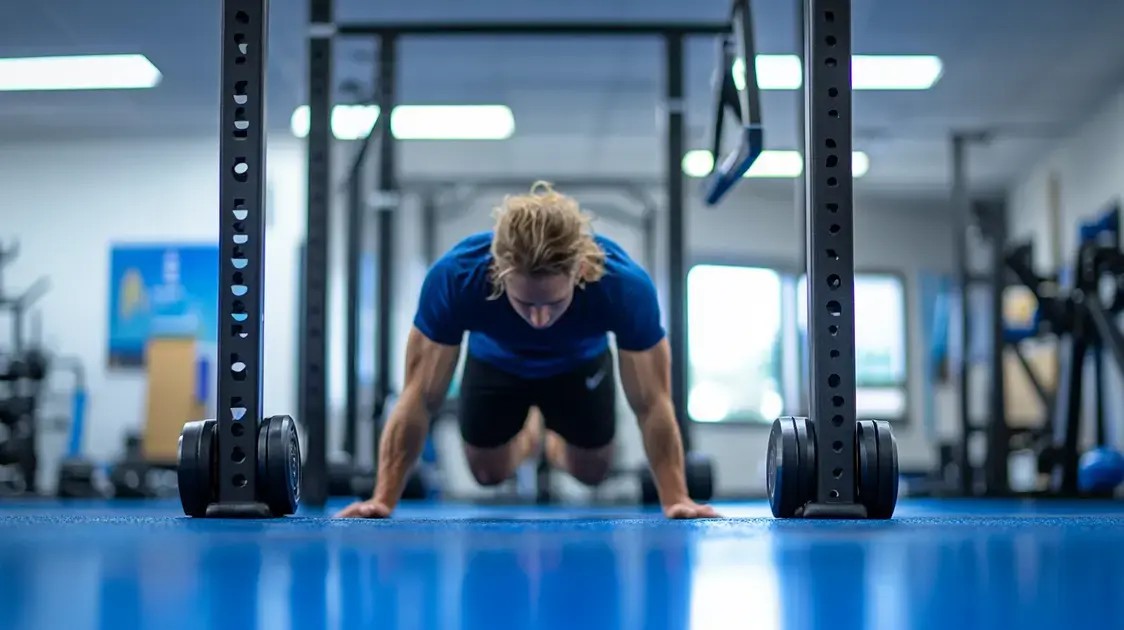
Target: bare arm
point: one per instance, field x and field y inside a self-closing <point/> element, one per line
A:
<point x="429" y="368"/>
<point x="646" y="377"/>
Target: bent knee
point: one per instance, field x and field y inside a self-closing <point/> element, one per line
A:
<point x="489" y="467"/>
<point x="589" y="467"/>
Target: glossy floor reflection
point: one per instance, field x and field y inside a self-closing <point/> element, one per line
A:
<point x="941" y="565"/>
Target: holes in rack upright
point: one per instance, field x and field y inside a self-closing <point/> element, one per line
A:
<point x="837" y="446"/>
<point x="832" y="92"/>
<point x="833" y="113"/>
<point x="834" y="308"/>
<point x="240" y="42"/>
<point x="832" y="255"/>
<point x="241" y="124"/>
<point x="239" y="331"/>
<point x="237" y="455"/>
<point x="834" y="354"/>
<point x="237" y="367"/>
<point x="837" y="420"/>
<point x="239" y="311"/>
<point x="834" y="228"/>
<point x="829" y="17"/>
<point x="241" y="96"/>
<point x="833" y="208"/>
<point x="833" y="330"/>
<point x="834" y="282"/>
<point x="829" y="143"/>
<point x="832" y="161"/>
<point x="239" y="481"/>
<point x="831" y="62"/>
<point x="837" y="401"/>
<point x="830" y="41"/>
<point x="241" y="170"/>
<point x="833" y="380"/>
<point x="832" y="182"/>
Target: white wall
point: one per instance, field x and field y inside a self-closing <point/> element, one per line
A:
<point x="68" y="202"/>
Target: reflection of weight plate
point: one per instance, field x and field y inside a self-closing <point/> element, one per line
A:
<point x="196" y="472"/>
<point x="279" y="458"/>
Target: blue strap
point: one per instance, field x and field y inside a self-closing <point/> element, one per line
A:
<point x="730" y="171"/>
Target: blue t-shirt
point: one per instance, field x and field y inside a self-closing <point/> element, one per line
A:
<point x="454" y="299"/>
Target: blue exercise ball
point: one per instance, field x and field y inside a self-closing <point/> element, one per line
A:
<point x="1101" y="470"/>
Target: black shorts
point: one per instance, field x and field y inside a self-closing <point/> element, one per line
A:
<point x="579" y="405"/>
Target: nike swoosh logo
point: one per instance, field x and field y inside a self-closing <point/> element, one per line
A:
<point x="593" y="381"/>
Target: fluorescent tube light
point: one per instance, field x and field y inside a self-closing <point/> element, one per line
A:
<point x="417" y="122"/>
<point x="770" y="165"/>
<point x="82" y="72"/>
<point x="868" y="72"/>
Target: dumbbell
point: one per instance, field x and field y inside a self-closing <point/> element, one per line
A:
<point x="278" y="466"/>
<point x="700" y="480"/>
<point x="792" y="467"/>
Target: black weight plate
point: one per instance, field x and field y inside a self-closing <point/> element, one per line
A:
<point x="887" y="497"/>
<point x="866" y="454"/>
<point x="280" y="488"/>
<point x="806" y="448"/>
<point x="195" y="470"/>
<point x="649" y="495"/>
<point x="700" y="477"/>
<point x="782" y="469"/>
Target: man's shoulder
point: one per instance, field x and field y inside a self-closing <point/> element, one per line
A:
<point x="620" y="267"/>
<point x="466" y="263"/>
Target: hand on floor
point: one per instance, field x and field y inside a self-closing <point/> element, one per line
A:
<point x="365" y="509"/>
<point x="689" y="509"/>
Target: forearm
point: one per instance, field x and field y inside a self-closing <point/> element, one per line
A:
<point x="664" y="447"/>
<point x="402" y="441"/>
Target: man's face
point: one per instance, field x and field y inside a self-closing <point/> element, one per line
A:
<point x="539" y="300"/>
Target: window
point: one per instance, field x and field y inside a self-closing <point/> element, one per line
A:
<point x="734" y="317"/>
<point x="880" y="344"/>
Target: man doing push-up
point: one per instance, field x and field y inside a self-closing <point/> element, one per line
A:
<point x="538" y="296"/>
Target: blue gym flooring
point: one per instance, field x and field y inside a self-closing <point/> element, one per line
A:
<point x="940" y="564"/>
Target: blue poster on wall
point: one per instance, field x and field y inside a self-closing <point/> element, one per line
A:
<point x="161" y="290"/>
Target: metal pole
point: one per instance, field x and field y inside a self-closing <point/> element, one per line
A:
<point x="429" y="227"/>
<point x="998" y="436"/>
<point x="356" y="228"/>
<point x="831" y="245"/>
<point x="245" y="33"/>
<point x="313" y="386"/>
<point x="800" y="205"/>
<point x="961" y="209"/>
<point x="387" y="199"/>
<point x="676" y="231"/>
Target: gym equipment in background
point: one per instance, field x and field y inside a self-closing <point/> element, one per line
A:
<point x="831" y="465"/>
<point x="24" y="367"/>
<point x="78" y="477"/>
<point x="1081" y="314"/>
<point x="239" y="464"/>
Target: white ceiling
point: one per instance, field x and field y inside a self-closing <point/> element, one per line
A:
<point x="1030" y="68"/>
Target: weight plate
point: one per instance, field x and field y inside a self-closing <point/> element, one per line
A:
<point x="700" y="477"/>
<point x="280" y="487"/>
<point x="806" y="449"/>
<point x="887" y="498"/>
<point x="866" y="454"/>
<point x="195" y="470"/>
<point x="782" y="469"/>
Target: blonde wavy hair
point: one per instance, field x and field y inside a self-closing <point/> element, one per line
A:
<point x="543" y="233"/>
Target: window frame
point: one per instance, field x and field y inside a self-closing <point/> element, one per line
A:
<point x="790" y="274"/>
<point x="907" y="320"/>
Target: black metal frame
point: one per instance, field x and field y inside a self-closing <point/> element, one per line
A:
<point x="313" y="382"/>
<point x="242" y="186"/>
<point x="831" y="243"/>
